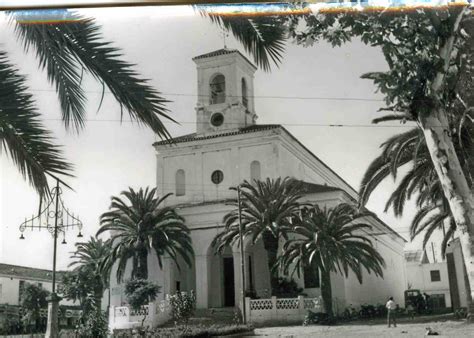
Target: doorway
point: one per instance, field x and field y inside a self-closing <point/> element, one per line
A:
<point x="229" y="286"/>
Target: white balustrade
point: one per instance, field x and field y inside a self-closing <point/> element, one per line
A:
<point x="122" y="317"/>
<point x="281" y="309"/>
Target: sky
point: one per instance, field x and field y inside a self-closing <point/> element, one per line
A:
<point x="311" y="89"/>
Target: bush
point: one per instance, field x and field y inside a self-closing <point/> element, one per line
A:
<point x="287" y="289"/>
<point x="191" y="331"/>
<point x="182" y="305"/>
<point x="320" y="318"/>
<point x="94" y="325"/>
<point x="140" y="292"/>
<point x="460" y="313"/>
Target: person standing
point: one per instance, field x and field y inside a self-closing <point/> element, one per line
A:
<point x="391" y="307"/>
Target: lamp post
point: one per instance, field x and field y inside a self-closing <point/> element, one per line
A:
<point x="242" y="258"/>
<point x="63" y="220"/>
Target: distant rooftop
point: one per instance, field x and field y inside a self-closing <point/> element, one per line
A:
<point x="416" y="256"/>
<point x="26" y="272"/>
<point x="223" y="51"/>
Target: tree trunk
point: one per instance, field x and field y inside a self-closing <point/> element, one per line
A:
<point x="326" y="291"/>
<point x="270" y="243"/>
<point x="99" y="292"/>
<point x="439" y="141"/>
<point x="142" y="271"/>
<point x="454" y="183"/>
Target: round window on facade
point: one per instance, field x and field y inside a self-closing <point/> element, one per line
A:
<point x="217" y="177"/>
<point x="217" y="119"/>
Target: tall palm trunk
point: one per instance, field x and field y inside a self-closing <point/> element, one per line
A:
<point x="98" y="293"/>
<point x="142" y="268"/>
<point x="270" y="243"/>
<point x="326" y="291"/>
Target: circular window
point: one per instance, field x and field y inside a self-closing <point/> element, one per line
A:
<point x="217" y="177"/>
<point x="217" y="119"/>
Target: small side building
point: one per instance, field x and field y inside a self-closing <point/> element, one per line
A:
<point x="430" y="278"/>
<point x="13" y="280"/>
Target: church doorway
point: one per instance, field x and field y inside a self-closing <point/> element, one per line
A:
<point x="229" y="284"/>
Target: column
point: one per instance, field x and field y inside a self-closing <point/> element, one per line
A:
<point x="52" y="328"/>
<point x="202" y="281"/>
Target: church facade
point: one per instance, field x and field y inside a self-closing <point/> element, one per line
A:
<point x="227" y="148"/>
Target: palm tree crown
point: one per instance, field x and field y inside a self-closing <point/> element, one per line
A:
<point x="93" y="258"/>
<point x="409" y="148"/>
<point x="266" y="209"/>
<point x="144" y="225"/>
<point x="331" y="240"/>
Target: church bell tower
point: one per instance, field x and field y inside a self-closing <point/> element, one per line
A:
<point x="225" y="91"/>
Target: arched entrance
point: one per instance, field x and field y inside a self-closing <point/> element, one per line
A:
<point x="223" y="273"/>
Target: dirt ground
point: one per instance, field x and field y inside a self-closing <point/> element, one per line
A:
<point x="405" y="328"/>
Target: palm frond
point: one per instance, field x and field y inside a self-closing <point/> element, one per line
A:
<point x="28" y="143"/>
<point x="80" y="39"/>
<point x="62" y="68"/>
<point x="263" y="37"/>
<point x="140" y="224"/>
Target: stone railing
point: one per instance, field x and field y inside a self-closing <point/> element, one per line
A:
<point x="281" y="309"/>
<point x="122" y="317"/>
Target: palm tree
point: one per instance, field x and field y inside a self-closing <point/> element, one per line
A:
<point x="67" y="45"/>
<point x="421" y="180"/>
<point x="92" y="257"/>
<point x="331" y="240"/>
<point x="141" y="226"/>
<point x="266" y="210"/>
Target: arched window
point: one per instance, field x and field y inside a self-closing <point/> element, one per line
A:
<point x="244" y="93"/>
<point x="217" y="87"/>
<point x="255" y="171"/>
<point x="180" y="183"/>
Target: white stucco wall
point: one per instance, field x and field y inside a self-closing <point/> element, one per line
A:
<point x="10" y="291"/>
<point x="10" y="287"/>
<point x="279" y="156"/>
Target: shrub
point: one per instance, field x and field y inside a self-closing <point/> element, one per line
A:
<point x="191" y="331"/>
<point x="317" y="318"/>
<point x="33" y="300"/>
<point x="140" y="292"/>
<point x="94" y="325"/>
<point x="182" y="305"/>
<point x="287" y="289"/>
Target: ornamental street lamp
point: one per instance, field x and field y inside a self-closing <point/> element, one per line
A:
<point x="63" y="220"/>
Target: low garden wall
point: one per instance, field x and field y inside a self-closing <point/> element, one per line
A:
<point x="280" y="309"/>
<point x="122" y="317"/>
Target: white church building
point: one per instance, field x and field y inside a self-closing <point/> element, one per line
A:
<point x="227" y="148"/>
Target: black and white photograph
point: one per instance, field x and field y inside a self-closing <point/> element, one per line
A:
<point x="276" y="170"/>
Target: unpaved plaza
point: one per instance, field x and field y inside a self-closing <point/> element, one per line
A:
<point x="404" y="329"/>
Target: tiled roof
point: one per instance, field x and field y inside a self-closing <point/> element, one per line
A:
<point x="222" y="51"/>
<point x="313" y="188"/>
<point x="229" y="132"/>
<point x="27" y="272"/>
<point x="414" y="256"/>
